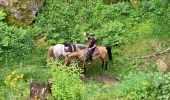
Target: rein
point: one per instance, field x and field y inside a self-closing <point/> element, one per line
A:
<point x="77" y="55"/>
<point x="74" y="47"/>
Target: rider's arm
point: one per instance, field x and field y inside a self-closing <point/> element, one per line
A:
<point x="85" y="37"/>
<point x="93" y="46"/>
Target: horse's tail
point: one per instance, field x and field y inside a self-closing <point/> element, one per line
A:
<point x="109" y="52"/>
<point x="50" y="54"/>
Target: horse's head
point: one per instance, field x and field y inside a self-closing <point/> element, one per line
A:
<point x="66" y="49"/>
<point x="68" y="59"/>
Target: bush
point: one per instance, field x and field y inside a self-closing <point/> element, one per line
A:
<point x="15" y="83"/>
<point x="16" y="44"/>
<point x="98" y="91"/>
<point x="144" y="86"/>
<point x="66" y="83"/>
<point x="14" y="86"/>
<point x="69" y="19"/>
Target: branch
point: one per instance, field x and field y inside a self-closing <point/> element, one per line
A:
<point x="151" y="55"/>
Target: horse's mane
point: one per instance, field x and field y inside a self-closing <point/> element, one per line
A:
<point x="66" y="44"/>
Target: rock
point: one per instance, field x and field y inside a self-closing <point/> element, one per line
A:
<point x="162" y="66"/>
<point x="167" y="60"/>
<point x="22" y="10"/>
<point x="38" y="91"/>
<point x="168" y="68"/>
<point x="4" y="3"/>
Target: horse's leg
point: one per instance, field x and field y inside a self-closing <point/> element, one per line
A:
<point x="84" y="67"/>
<point x="50" y="55"/>
<point x="84" y="70"/>
<point x="102" y="62"/>
<point x="57" y="57"/>
<point x="106" y="65"/>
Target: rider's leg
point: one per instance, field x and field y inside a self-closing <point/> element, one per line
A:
<point x="87" y="56"/>
<point x="90" y="54"/>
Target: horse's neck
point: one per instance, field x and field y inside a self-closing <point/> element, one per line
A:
<point x="74" y="54"/>
<point x="77" y="54"/>
<point x="59" y="49"/>
<point x="76" y="47"/>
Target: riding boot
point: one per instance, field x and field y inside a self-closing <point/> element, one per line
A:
<point x="90" y="60"/>
<point x="90" y="56"/>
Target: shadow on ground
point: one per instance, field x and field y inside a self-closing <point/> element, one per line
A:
<point x="96" y="73"/>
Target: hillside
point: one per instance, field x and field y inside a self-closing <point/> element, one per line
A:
<point x="137" y="30"/>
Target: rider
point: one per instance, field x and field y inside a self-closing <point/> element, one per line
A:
<point x="92" y="46"/>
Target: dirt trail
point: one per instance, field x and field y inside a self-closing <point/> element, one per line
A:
<point x="106" y="79"/>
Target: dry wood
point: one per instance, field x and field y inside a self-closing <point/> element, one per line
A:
<point x="153" y="55"/>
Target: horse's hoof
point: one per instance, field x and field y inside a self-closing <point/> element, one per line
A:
<point x="105" y="69"/>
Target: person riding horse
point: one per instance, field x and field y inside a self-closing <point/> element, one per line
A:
<point x="91" y="47"/>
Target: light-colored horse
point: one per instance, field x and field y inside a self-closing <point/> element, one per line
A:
<point x="60" y="50"/>
<point x="103" y="53"/>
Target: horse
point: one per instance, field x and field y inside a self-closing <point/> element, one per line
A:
<point x="103" y="53"/>
<point x="64" y="49"/>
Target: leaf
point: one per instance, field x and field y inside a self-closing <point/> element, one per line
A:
<point x="5" y="41"/>
<point x="2" y="15"/>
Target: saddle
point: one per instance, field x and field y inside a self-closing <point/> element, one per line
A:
<point x="95" y="53"/>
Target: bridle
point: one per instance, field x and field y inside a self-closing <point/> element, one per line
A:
<point x="69" y="58"/>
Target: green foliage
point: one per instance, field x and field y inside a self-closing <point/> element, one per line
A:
<point x="136" y="31"/>
<point x="162" y="85"/>
<point x="161" y="28"/>
<point x="135" y="86"/>
<point x="144" y="86"/>
<point x="13" y="87"/>
<point x="98" y="91"/>
<point x="4" y="72"/>
<point x="66" y="83"/>
<point x="38" y="74"/>
<point x="15" y="83"/>
<point x="16" y="43"/>
<point x="67" y="21"/>
<point x="2" y="15"/>
<point x="1" y="51"/>
<point x="157" y="11"/>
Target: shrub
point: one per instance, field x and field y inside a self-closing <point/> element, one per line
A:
<point x="15" y="84"/>
<point x="16" y="44"/>
<point x="144" y="86"/>
<point x="98" y="91"/>
<point x="66" y="83"/>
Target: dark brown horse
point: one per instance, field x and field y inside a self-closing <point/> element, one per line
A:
<point x="103" y="54"/>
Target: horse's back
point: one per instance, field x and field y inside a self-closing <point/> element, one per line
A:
<point x="58" y="49"/>
<point x="102" y="49"/>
